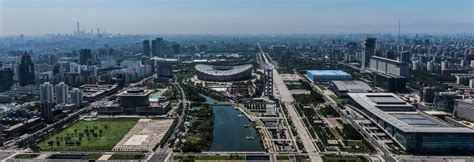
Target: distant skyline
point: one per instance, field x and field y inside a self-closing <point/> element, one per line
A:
<point x="34" y="17"/>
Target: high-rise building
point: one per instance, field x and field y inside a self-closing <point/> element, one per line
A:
<point x="46" y="92"/>
<point x="27" y="70"/>
<point x="47" y="99"/>
<point x="85" y="57"/>
<point x="158" y="47"/>
<point x="47" y="111"/>
<point x="62" y="92"/>
<point x="405" y="56"/>
<point x="176" y="48"/>
<point x="6" y="79"/>
<point x="146" y="48"/>
<point x="367" y="52"/>
<point x="76" y="97"/>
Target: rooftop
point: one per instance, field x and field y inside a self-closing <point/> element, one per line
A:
<point x="222" y="70"/>
<point x="396" y="112"/>
<point x="352" y="86"/>
<point x="327" y="72"/>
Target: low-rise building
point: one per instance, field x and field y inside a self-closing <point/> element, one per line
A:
<point x="327" y="75"/>
<point x="341" y="88"/>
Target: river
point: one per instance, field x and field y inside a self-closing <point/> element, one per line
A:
<point x="233" y="130"/>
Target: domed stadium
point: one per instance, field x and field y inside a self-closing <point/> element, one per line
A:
<point x="223" y="73"/>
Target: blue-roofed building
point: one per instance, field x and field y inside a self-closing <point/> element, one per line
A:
<point x="327" y="75"/>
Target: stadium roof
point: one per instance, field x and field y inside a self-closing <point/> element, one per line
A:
<point x="352" y="86"/>
<point x="222" y="70"/>
<point x="407" y="121"/>
<point x="327" y="72"/>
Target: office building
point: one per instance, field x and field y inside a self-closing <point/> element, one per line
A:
<point x="47" y="111"/>
<point x="6" y="79"/>
<point x="146" y="48"/>
<point x="405" y="56"/>
<point x="444" y="101"/>
<point x="327" y="75"/>
<point x="62" y="92"/>
<point x="368" y="51"/>
<point x="85" y="57"/>
<point x="158" y="47"/>
<point x="464" y="109"/>
<point x="176" y="48"/>
<point x="27" y="70"/>
<point x="389" y="66"/>
<point x="413" y="130"/>
<point x="390" y="83"/>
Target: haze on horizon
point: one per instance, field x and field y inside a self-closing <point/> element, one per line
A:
<point x="33" y="17"/>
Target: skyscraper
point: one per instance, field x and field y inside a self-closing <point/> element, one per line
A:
<point x="76" y="97"/>
<point x="176" y="48"/>
<point x="158" y="47"/>
<point x="85" y="57"/>
<point x="146" y="47"/>
<point x="27" y="70"/>
<point x="368" y="50"/>
<point x="154" y="47"/>
<point x="62" y="92"/>
<point x="6" y="79"/>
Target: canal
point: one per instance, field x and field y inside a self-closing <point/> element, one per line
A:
<point x="233" y="130"/>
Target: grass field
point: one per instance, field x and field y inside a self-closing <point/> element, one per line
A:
<point x="97" y="135"/>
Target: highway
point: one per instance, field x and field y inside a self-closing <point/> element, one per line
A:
<point x="287" y="99"/>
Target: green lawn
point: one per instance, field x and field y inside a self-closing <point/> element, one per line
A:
<point x="97" y="135"/>
<point x="26" y="156"/>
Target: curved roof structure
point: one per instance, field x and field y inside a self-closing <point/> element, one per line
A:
<point x="222" y="70"/>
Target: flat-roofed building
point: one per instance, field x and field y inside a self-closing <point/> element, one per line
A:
<point x="413" y="130"/>
<point x="327" y="75"/>
<point x="464" y="109"/>
<point x="341" y="88"/>
<point x="135" y="101"/>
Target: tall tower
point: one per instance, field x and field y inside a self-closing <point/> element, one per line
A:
<point x="368" y="51"/>
<point x="46" y="92"/>
<point x="76" y="97"/>
<point x="26" y="70"/>
<point x="146" y="47"/>
<point x="62" y="92"/>
<point x="78" y="29"/>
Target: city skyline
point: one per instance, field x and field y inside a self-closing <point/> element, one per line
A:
<point x="235" y="16"/>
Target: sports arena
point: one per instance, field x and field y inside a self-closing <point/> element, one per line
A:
<point x="223" y="73"/>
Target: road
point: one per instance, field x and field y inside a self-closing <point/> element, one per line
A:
<point x="162" y="153"/>
<point x="287" y="99"/>
<point x="381" y="150"/>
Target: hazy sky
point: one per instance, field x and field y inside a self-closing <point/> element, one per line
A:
<point x="236" y="16"/>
